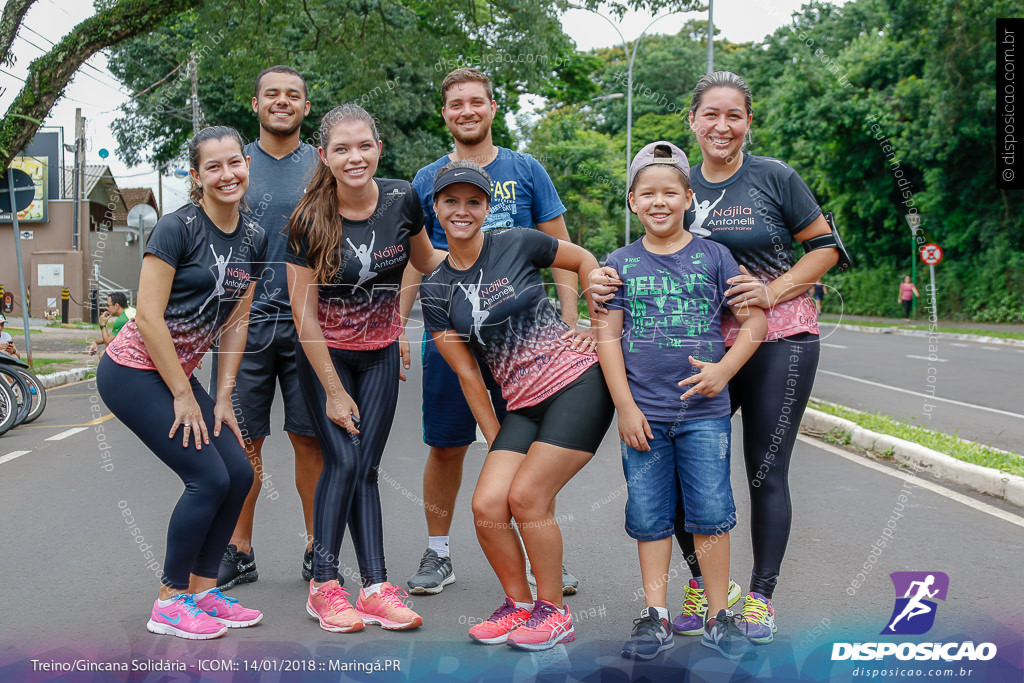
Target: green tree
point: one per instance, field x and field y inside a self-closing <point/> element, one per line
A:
<point x="49" y="74"/>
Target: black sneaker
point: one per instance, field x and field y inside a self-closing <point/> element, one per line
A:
<point x="307" y="568"/>
<point x="722" y="633"/>
<point x="651" y="635"/>
<point x="433" y="575"/>
<point x="236" y="567"/>
<point x="307" y="565"/>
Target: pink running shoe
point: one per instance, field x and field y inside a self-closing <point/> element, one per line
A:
<point x="330" y="606"/>
<point x="227" y="610"/>
<point x="546" y="627"/>
<point x="496" y="628"/>
<point x="385" y="607"/>
<point x="184" y="619"/>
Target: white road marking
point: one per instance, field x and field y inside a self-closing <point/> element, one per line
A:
<point x="12" y="455"/>
<point x="903" y="475"/>
<point x="66" y="434"/>
<point x="963" y="346"/>
<point x="991" y="348"/>
<point x="936" y="360"/>
<point x="835" y="346"/>
<point x="917" y="393"/>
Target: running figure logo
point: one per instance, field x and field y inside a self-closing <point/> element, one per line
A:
<point x="221" y="265"/>
<point x="914" y="612"/>
<point x="472" y="293"/>
<point x="701" y="211"/>
<point x="365" y="255"/>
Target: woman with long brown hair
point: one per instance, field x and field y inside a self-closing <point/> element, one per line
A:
<point x="350" y="238"/>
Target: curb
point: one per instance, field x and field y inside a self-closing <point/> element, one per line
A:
<point x="1009" y="487"/>
<point x="57" y="379"/>
<point x="955" y="336"/>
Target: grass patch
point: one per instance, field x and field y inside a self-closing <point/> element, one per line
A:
<point x="46" y="366"/>
<point x="1000" y="334"/>
<point x="17" y="330"/>
<point x="949" y="444"/>
<point x="79" y="325"/>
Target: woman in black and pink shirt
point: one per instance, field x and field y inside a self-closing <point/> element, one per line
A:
<point x="198" y="275"/>
<point x="487" y="298"/>
<point x="350" y="238"/>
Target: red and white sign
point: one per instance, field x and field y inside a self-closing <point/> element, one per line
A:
<point x="931" y="254"/>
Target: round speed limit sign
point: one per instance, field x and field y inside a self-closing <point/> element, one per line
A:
<point x="931" y="254"/>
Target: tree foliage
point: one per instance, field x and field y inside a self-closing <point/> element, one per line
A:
<point x="885" y="108"/>
<point x="49" y="74"/>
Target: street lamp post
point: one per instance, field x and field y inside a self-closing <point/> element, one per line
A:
<point x="631" y="57"/>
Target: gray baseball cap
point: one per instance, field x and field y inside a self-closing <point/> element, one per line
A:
<point x="645" y="157"/>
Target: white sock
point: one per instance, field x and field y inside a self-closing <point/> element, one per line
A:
<point x="372" y="590"/>
<point x="439" y="544"/>
<point x="200" y="596"/>
<point x="168" y="603"/>
<point x="662" y="612"/>
<point x="528" y="606"/>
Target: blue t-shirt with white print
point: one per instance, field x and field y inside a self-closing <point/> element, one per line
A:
<point x="522" y="194"/>
<point x="672" y="308"/>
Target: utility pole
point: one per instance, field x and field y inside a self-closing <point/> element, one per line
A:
<point x="76" y="174"/>
<point x="193" y="71"/>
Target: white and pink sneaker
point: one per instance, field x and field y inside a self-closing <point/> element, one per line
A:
<point x="183" y="618"/>
<point x="227" y="610"/>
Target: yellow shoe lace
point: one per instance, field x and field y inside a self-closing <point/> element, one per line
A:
<point x="694" y="601"/>
<point x="754" y="610"/>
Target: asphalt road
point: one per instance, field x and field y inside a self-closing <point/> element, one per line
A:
<point x="74" y="583"/>
<point x="962" y="387"/>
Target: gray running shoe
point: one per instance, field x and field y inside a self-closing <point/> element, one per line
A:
<point x="434" y="574"/>
<point x="570" y="584"/>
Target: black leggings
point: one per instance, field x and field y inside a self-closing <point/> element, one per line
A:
<point x="217" y="478"/>
<point x="347" y="491"/>
<point x="772" y="389"/>
<point x="906" y="307"/>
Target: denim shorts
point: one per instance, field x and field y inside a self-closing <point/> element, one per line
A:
<point x="694" y="453"/>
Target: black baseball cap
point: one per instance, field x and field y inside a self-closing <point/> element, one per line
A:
<point x="645" y="157"/>
<point x="462" y="174"/>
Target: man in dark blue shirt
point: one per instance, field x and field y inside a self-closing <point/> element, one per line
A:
<point x="280" y="167"/>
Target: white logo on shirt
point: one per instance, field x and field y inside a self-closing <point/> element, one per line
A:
<point x="701" y="212"/>
<point x="472" y="293"/>
<point x="365" y="256"/>
<point x="221" y="264"/>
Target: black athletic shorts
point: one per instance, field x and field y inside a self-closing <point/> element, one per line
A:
<point x="576" y="417"/>
<point x="270" y="349"/>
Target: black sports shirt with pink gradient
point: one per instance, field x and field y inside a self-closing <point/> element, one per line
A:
<point x="755" y="213"/>
<point x="358" y="309"/>
<point x="499" y="306"/>
<point x="212" y="271"/>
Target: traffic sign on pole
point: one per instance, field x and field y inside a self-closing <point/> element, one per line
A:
<point x="931" y="254"/>
<point x="14" y="200"/>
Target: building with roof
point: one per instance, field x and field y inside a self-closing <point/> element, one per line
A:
<point x="97" y="253"/>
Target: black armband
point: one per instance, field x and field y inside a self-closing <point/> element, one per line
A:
<point x="830" y="241"/>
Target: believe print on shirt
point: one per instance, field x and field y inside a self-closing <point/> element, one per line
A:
<point x="358" y="309"/>
<point x="671" y="309"/>
<point x="755" y="213"/>
<point x="522" y="194"/>
<point x="212" y="271"/>
<point x="275" y="188"/>
<point x="500" y="308"/>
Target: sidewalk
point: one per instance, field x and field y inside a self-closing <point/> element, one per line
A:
<point x="991" y="327"/>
